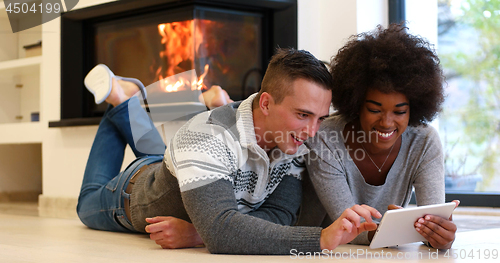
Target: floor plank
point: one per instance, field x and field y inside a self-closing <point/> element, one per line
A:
<point x="26" y="237"/>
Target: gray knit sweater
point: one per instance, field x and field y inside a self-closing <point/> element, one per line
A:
<point x="239" y="200"/>
<point x="340" y="185"/>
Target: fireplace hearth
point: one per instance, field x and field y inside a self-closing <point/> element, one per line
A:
<point x="226" y="42"/>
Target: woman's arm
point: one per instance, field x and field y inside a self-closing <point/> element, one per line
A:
<point x="429" y="177"/>
<point x="429" y="189"/>
<point x="330" y="183"/>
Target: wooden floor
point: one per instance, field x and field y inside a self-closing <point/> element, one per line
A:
<point x="26" y="237"/>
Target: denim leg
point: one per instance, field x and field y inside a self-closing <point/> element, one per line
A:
<point x="138" y="130"/>
<point x="106" y="155"/>
<point x="100" y="204"/>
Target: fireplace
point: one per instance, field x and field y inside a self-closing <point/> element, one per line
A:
<point x="226" y="42"/>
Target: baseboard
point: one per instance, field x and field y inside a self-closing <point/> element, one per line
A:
<point x="57" y="207"/>
<point x="21" y="196"/>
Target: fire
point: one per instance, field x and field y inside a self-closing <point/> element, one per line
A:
<point x="174" y="87"/>
<point x="179" y="42"/>
<point x="196" y="84"/>
<point x="200" y="80"/>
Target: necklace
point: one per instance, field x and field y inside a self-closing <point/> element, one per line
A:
<point x="379" y="168"/>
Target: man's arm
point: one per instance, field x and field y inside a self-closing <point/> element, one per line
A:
<point x="213" y="211"/>
<point x="282" y="205"/>
<point x="281" y="208"/>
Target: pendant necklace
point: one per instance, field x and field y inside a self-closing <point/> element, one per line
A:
<point x="379" y="168"/>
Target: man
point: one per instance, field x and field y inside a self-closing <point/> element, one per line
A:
<point x="230" y="177"/>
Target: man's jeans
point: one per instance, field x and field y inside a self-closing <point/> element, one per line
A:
<point x="101" y="200"/>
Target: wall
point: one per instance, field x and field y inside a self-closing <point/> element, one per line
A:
<point x="325" y="25"/>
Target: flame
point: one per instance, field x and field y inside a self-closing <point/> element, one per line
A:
<point x="177" y="39"/>
<point x="195" y="84"/>
<point x="179" y="46"/>
<point x="174" y="87"/>
<point x="200" y="79"/>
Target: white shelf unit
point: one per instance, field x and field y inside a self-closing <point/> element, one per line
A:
<point x="19" y="75"/>
<point x="20" y="139"/>
<point x="23" y="64"/>
<point x="20" y="133"/>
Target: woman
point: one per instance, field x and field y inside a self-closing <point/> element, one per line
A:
<point x="377" y="147"/>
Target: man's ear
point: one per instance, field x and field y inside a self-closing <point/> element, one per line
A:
<point x="265" y="101"/>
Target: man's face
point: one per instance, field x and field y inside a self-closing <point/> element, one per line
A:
<point x="297" y="117"/>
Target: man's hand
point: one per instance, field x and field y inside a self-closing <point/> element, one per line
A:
<point x="171" y="232"/>
<point x="348" y="226"/>
<point x="440" y="232"/>
<point x="215" y="97"/>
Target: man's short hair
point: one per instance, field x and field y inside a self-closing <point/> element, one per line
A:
<point x="290" y="64"/>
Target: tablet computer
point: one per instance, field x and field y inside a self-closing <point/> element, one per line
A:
<point x="397" y="226"/>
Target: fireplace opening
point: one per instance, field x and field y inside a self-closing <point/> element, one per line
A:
<point x="226" y="42"/>
<point x="224" y="47"/>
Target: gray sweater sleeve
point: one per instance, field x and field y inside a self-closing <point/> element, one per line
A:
<point x="214" y="213"/>
<point x="329" y="180"/>
<point x="282" y="206"/>
<point x="429" y="177"/>
<point x="328" y="177"/>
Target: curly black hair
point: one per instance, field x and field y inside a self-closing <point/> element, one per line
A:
<point x="389" y="60"/>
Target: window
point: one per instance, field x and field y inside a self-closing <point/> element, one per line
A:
<point x="468" y="44"/>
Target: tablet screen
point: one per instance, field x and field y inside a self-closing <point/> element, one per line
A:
<point x="397" y="226"/>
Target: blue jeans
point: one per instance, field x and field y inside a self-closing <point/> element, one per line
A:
<point x="101" y="200"/>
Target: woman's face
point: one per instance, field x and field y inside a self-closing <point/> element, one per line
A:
<point x="383" y="117"/>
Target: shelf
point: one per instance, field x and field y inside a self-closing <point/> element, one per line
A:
<point x="19" y="79"/>
<point x="25" y="132"/>
<point x="20" y="65"/>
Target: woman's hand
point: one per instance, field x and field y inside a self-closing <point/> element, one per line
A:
<point x="439" y="231"/>
<point x="348" y="226"/>
<point x="171" y="232"/>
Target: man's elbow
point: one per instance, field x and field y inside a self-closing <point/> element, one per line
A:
<point x="215" y="247"/>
